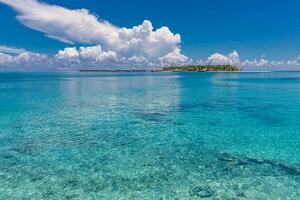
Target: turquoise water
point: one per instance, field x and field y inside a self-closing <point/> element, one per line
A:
<point x="150" y="135"/>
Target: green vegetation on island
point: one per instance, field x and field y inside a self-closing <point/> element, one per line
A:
<point x="202" y="68"/>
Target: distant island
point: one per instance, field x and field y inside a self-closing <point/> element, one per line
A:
<point x="202" y="68"/>
<point x="189" y="68"/>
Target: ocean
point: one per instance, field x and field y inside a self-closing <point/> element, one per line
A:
<point x="142" y="135"/>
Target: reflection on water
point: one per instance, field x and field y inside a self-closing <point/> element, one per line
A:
<point x="149" y="135"/>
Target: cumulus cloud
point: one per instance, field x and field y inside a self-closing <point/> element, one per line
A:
<point x="5" y="59"/>
<point x="174" y="58"/>
<point x="251" y="65"/>
<point x="96" y="56"/>
<point x="23" y="60"/>
<point x="90" y="56"/>
<point x="81" y="26"/>
<point x="230" y="59"/>
<point x="256" y="63"/>
<point x="30" y="58"/>
<point x="270" y="65"/>
<point x="233" y="59"/>
<point x="85" y="56"/>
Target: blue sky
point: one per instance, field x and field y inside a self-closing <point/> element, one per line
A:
<point x="255" y="29"/>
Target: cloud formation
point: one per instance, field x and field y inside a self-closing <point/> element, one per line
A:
<point x="253" y="65"/>
<point x="81" y="26"/>
<point x="88" y="56"/>
<point x="23" y="60"/>
<point x="95" y="56"/>
<point x="230" y="59"/>
<point x="107" y="45"/>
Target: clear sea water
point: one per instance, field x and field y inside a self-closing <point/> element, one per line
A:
<point x="150" y="135"/>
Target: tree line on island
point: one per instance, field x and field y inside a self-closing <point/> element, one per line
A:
<point x="202" y="68"/>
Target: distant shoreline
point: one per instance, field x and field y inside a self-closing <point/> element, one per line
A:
<point x="191" y="68"/>
<point x="202" y="68"/>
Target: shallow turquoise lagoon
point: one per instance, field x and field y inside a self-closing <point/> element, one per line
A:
<point x="150" y="135"/>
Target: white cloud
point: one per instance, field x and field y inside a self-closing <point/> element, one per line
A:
<point x="84" y="56"/>
<point x="67" y="53"/>
<point x="95" y="56"/>
<point x="61" y="23"/>
<point x="136" y="59"/>
<point x="295" y="62"/>
<point x="256" y="63"/>
<point x="30" y="59"/>
<point x="22" y="60"/>
<point x="80" y="26"/>
<point x="265" y="64"/>
<point x="174" y="58"/>
<point x="219" y="59"/>
<point x="5" y="59"/>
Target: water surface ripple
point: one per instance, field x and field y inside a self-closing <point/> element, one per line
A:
<point x="150" y="135"/>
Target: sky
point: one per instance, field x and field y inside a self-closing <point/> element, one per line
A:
<point x="52" y="34"/>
